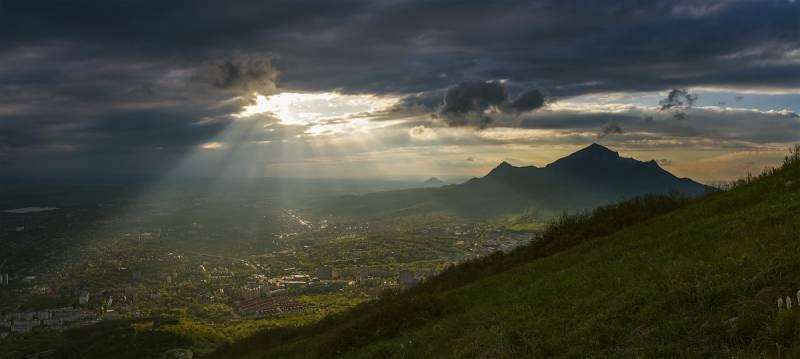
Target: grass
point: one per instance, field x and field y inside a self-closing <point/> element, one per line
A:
<point x="203" y="332"/>
<point x="661" y="277"/>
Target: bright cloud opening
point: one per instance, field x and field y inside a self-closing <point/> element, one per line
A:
<point x="212" y="145"/>
<point x="323" y="112"/>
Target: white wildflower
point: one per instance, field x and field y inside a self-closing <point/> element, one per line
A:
<point x="788" y="302"/>
<point x="780" y="303"/>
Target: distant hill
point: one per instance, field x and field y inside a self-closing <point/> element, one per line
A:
<point x="433" y="182"/>
<point x="651" y="278"/>
<point x="585" y="179"/>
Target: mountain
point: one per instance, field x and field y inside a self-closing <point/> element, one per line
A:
<point x="433" y="182"/>
<point x="585" y="179"/>
<point x="649" y="278"/>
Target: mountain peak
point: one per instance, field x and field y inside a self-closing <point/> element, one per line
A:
<point x="591" y="155"/>
<point x="504" y="164"/>
<point x="433" y="181"/>
<point x="502" y="170"/>
<point x="597" y="149"/>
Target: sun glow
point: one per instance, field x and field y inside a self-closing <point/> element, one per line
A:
<point x="317" y="110"/>
<point x="212" y="145"/>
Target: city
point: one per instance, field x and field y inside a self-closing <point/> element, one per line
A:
<point x="140" y="268"/>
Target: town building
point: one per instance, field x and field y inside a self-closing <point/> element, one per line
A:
<point x="327" y="273"/>
<point x="407" y="278"/>
<point x="24" y="326"/>
<point x="277" y="305"/>
<point x="83" y="298"/>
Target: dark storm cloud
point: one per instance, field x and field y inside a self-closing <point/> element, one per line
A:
<point x="466" y="103"/>
<point x="149" y="128"/>
<point x="678" y="98"/>
<point x="68" y="67"/>
<point x="473" y="97"/>
<point x="527" y="101"/>
<point x="610" y="130"/>
<point x="245" y="73"/>
<point x="678" y="101"/>
<point x="412" y="46"/>
<point x="680" y="115"/>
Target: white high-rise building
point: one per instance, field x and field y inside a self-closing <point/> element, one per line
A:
<point x="83" y="298"/>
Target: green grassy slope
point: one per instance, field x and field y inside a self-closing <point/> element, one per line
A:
<point x="697" y="281"/>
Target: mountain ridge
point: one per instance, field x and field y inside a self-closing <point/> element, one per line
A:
<point x="433" y="181"/>
<point x="592" y="176"/>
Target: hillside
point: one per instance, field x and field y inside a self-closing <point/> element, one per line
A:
<point x="698" y="281"/>
<point x="585" y="179"/>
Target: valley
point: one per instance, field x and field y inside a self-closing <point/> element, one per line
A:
<point x="177" y="258"/>
<point x="164" y="264"/>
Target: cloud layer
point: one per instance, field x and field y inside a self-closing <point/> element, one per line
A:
<point x="467" y="103"/>
<point x="87" y="86"/>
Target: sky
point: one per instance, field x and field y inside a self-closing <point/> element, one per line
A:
<point x="393" y="89"/>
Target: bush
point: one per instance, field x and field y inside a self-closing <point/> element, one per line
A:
<point x="786" y="327"/>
